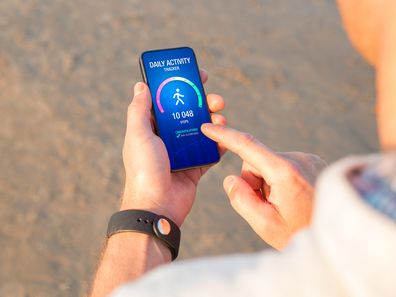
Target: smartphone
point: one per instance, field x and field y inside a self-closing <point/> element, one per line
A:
<point x="179" y="106"/>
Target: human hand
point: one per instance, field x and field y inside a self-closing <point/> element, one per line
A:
<point x="149" y="183"/>
<point x="274" y="192"/>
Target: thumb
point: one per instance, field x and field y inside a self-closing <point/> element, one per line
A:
<point x="258" y="213"/>
<point x="139" y="111"/>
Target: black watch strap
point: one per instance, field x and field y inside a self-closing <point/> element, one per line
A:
<point x="142" y="221"/>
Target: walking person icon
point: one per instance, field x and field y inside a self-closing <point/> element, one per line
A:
<point x="178" y="96"/>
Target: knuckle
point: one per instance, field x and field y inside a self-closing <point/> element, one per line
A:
<point x="289" y="171"/>
<point x="131" y="108"/>
<point x="219" y="118"/>
<point x="247" y="139"/>
<point x="315" y="161"/>
<point x="312" y="157"/>
<point x="318" y="160"/>
<point x="298" y="157"/>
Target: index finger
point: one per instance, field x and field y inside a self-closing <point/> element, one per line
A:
<point x="248" y="148"/>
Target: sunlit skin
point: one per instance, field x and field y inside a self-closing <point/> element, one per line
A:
<point x="274" y="191"/>
<point x="363" y="21"/>
<point x="371" y="26"/>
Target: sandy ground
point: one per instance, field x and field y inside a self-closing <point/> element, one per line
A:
<point x="287" y="72"/>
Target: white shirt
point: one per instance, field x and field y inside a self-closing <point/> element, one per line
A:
<point x="349" y="250"/>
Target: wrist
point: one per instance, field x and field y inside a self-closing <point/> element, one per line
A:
<point x="160" y="227"/>
<point x="129" y="201"/>
<point x="147" y="248"/>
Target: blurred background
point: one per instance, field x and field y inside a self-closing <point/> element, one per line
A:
<point x="285" y="68"/>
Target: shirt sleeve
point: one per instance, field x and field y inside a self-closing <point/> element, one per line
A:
<point x="268" y="273"/>
<point x="203" y="277"/>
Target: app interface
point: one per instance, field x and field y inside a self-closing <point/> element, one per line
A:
<point x="180" y="106"/>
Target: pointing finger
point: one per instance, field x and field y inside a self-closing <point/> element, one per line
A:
<point x="248" y="148"/>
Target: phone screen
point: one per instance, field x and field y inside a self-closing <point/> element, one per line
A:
<point x="179" y="105"/>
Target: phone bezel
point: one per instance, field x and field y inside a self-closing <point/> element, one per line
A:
<point x="156" y="128"/>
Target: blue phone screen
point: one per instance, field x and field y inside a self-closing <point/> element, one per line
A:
<point x="180" y="106"/>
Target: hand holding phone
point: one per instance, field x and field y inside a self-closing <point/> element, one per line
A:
<point x="179" y="106"/>
<point x="149" y="183"/>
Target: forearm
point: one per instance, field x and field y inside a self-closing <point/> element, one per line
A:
<point x="126" y="257"/>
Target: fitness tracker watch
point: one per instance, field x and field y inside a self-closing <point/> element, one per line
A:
<point x="142" y="221"/>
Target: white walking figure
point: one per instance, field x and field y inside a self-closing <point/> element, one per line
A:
<point x="178" y="96"/>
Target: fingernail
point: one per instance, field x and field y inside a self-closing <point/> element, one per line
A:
<point x="228" y="183"/>
<point x="206" y="125"/>
<point x="139" y="87"/>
